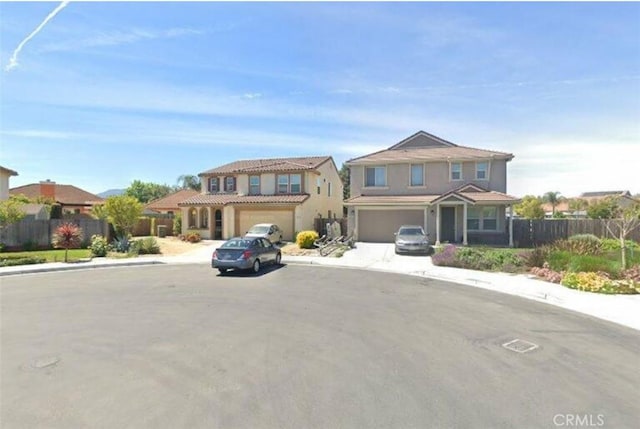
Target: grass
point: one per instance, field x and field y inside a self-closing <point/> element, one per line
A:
<point x="49" y="255"/>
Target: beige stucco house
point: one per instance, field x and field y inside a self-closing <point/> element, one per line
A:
<point x="457" y="193"/>
<point x="5" y="174"/>
<point x="290" y="192"/>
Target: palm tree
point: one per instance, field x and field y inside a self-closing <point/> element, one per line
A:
<point x="552" y="198"/>
<point x="578" y="205"/>
<point x="189" y="181"/>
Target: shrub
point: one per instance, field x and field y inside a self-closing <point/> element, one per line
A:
<point x="177" y="224"/>
<point x="479" y="259"/>
<point x="609" y="244"/>
<point x="99" y="245"/>
<point x="632" y="273"/>
<point x="121" y="244"/>
<point x="305" y="239"/>
<point x="585" y="238"/>
<point x="12" y="261"/>
<point x="580" y="246"/>
<point x="29" y="245"/>
<point x="446" y="257"/>
<point x="67" y="236"/>
<point x="536" y="257"/>
<point x="547" y="273"/>
<point x="558" y="260"/>
<point x="147" y="246"/>
<point x="596" y="282"/>
<point x="192" y="237"/>
<point x="587" y="263"/>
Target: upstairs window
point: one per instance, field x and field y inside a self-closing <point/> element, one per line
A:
<point x="295" y="183"/>
<point x="456" y="171"/>
<point x="318" y="185"/>
<point x="417" y="175"/>
<point x="482" y="170"/>
<point x="375" y="176"/>
<point x="214" y="185"/>
<point x="283" y="183"/>
<point x="229" y="184"/>
<point x="254" y="185"/>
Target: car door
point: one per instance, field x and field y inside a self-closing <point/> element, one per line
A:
<point x="268" y="249"/>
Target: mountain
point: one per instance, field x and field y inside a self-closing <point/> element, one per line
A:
<point x="111" y="192"/>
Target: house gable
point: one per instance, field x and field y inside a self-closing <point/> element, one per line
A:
<point x="422" y="140"/>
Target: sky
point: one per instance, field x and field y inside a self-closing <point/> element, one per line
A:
<point x="100" y="94"/>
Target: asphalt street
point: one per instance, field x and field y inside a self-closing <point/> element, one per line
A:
<point x="179" y="346"/>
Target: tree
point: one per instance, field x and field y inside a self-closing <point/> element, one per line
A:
<point x="123" y="212"/>
<point x="626" y="220"/>
<point x="578" y="205"/>
<point x="147" y="191"/>
<point x="11" y="211"/>
<point x="605" y="208"/>
<point x="99" y="211"/>
<point x="345" y="176"/>
<point x="188" y="181"/>
<point x="530" y="208"/>
<point x="67" y="236"/>
<point x="553" y="198"/>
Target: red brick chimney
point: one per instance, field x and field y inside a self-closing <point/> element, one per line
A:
<point x="48" y="189"/>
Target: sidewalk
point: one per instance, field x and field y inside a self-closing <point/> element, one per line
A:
<point x="621" y="309"/>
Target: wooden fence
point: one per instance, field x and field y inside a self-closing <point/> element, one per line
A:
<point x="143" y="228"/>
<point x="31" y="234"/>
<point x="537" y="232"/>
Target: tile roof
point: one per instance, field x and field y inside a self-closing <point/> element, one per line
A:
<point x="471" y="197"/>
<point x="171" y="201"/>
<point x="226" y="199"/>
<point x="604" y="194"/>
<point x="64" y="194"/>
<point x="8" y="171"/>
<point x="427" y="147"/>
<point x="269" y="165"/>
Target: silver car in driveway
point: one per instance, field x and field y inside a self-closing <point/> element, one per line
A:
<point x="270" y="231"/>
<point x="245" y="254"/>
<point x="411" y="239"/>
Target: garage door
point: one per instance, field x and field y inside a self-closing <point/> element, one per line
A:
<point x="282" y="218"/>
<point x="379" y="225"/>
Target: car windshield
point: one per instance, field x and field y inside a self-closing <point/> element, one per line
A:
<point x="259" y="230"/>
<point x="236" y="244"/>
<point x="410" y="231"/>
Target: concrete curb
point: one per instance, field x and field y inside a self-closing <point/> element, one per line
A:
<point x="76" y="266"/>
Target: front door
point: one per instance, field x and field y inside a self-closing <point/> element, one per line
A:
<point x="448" y="224"/>
<point x="217" y="232"/>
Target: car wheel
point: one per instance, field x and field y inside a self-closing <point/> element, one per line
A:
<point x="222" y="270"/>
<point x="278" y="258"/>
<point x="256" y="266"/>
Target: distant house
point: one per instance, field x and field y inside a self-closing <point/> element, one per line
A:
<point x="457" y="193"/>
<point x="71" y="199"/>
<point x="5" y="174"/>
<point x="169" y="204"/>
<point x="289" y="192"/>
<point x="36" y="211"/>
<point x="623" y="198"/>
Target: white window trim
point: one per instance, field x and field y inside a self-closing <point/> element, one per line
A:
<point x="386" y="178"/>
<point x="411" y="176"/>
<point x="451" y="179"/>
<point x="487" y="171"/>
<point x="290" y="183"/>
<point x="259" y="184"/>
<point x="233" y="183"/>
<point x="217" y="180"/>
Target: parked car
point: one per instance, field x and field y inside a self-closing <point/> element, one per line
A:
<point x="245" y="254"/>
<point x="269" y="231"/>
<point x="411" y="239"/>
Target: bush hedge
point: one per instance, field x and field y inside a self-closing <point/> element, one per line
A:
<point x="305" y="239"/>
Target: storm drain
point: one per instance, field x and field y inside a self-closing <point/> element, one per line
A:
<point x="520" y="346"/>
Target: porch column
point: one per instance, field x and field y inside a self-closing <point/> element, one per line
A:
<point x="426" y="220"/>
<point x="464" y="225"/>
<point x="511" y="225"/>
<point x="212" y="223"/>
<point x="438" y="224"/>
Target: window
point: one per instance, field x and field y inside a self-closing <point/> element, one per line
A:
<point x="375" y="176"/>
<point x="283" y="183"/>
<point x="318" y="184"/>
<point x="204" y="217"/>
<point x="456" y="171"/>
<point x="296" y="183"/>
<point x="229" y="184"/>
<point x="417" y="175"/>
<point x="213" y="185"/>
<point x="473" y="218"/>
<point x="482" y="170"/>
<point x="489" y="218"/>
<point x="254" y="185"/>
<point x="482" y="218"/>
<point x="329" y="189"/>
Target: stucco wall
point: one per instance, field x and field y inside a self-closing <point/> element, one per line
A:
<point x="320" y="204"/>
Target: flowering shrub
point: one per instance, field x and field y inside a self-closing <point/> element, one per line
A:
<point x="446" y="257"/>
<point x="305" y="239"/>
<point x="632" y="273"/>
<point x="547" y="273"/>
<point x="479" y="259"/>
<point x="597" y="282"/>
<point x="99" y="245"/>
<point x="191" y="237"/>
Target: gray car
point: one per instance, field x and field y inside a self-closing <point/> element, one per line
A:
<point x="411" y="239"/>
<point x="245" y="254"/>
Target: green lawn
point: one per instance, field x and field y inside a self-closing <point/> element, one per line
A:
<point x="49" y="255"/>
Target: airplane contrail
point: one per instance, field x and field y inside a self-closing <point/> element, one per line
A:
<point x="13" y="61"/>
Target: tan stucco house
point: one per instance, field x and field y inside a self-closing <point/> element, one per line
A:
<point x="290" y="192"/>
<point x="71" y="199"/>
<point x="457" y="193"/>
<point x="5" y="174"/>
<point x="169" y="204"/>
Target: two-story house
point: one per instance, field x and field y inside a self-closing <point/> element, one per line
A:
<point x="457" y="193"/>
<point x="289" y="192"/>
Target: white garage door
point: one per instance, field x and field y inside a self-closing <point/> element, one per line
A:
<point x="282" y="218"/>
<point x="378" y="226"/>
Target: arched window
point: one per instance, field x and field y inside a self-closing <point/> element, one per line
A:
<point x="192" y="218"/>
<point x="204" y="217"/>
